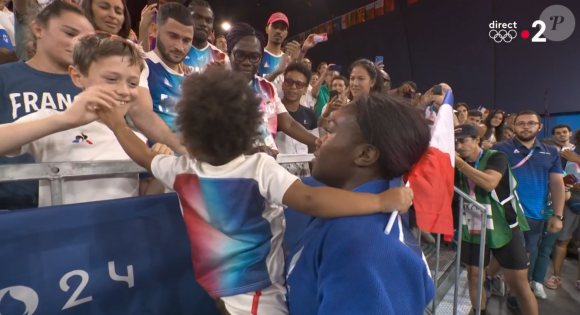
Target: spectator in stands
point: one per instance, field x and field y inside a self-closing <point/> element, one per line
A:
<point x="340" y="85"/>
<point x="364" y="78"/>
<point x="233" y="204"/>
<point x="107" y="70"/>
<point x="111" y="16"/>
<point x="7" y="29"/>
<point x="535" y="166"/>
<point x="494" y="124"/>
<point x="336" y="267"/>
<point x="487" y="177"/>
<point x="387" y="81"/>
<point x="202" y="52"/>
<point x="461" y="110"/>
<point x="307" y="99"/>
<point x="571" y="220"/>
<point x="296" y="78"/>
<point x="509" y="121"/>
<point x="508" y="132"/>
<point x="321" y="89"/>
<point x="164" y="70"/>
<point x="245" y="47"/>
<point x="275" y="60"/>
<point x="433" y="99"/>
<point x="540" y="259"/>
<point x="474" y="117"/>
<point x="43" y="82"/>
<point x="25" y="12"/>
<point x="562" y="134"/>
<point x="220" y="43"/>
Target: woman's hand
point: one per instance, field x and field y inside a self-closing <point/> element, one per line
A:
<point x="396" y="199"/>
<point x="570" y="156"/>
<point x="147" y="15"/>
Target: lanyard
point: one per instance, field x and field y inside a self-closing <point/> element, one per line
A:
<point x="470" y="183"/>
<point x="522" y="162"/>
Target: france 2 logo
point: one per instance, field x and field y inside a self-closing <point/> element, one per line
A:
<point x="556" y="23"/>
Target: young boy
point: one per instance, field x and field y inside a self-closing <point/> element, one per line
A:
<point x="232" y="204"/>
<point x="107" y="69"/>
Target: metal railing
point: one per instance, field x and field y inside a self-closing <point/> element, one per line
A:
<point x="56" y="173"/>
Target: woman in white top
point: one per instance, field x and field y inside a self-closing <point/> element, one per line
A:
<point x="494" y="122"/>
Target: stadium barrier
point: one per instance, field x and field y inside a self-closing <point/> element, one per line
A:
<point x="125" y="256"/>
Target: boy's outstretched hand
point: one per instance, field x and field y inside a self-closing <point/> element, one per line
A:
<point x="84" y="106"/>
<point x="396" y="199"/>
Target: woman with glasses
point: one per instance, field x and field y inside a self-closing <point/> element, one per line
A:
<point x="245" y="49"/>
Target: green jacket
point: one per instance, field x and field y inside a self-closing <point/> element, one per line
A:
<point x="498" y="232"/>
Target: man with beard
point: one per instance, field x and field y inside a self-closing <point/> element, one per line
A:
<point x="274" y="60"/>
<point x="164" y="71"/>
<point x="535" y="166"/>
<point x="202" y="52"/>
<point x="245" y="48"/>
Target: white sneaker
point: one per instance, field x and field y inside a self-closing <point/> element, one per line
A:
<point x="538" y="289"/>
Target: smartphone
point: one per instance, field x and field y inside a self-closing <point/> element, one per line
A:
<point x="335" y="68"/>
<point x="379" y="60"/>
<point x="319" y="38"/>
<point x="570" y="180"/>
<point x="437" y="90"/>
<point x="332" y="94"/>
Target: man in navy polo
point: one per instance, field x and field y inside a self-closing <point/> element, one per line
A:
<point x="538" y="170"/>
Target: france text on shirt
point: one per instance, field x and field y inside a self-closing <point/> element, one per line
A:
<point x="28" y="90"/>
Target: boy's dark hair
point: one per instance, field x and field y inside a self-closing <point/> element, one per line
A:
<point x="125" y="28"/>
<point x="344" y="79"/>
<point x="174" y="11"/>
<point x="7" y="56"/>
<point x="56" y="9"/>
<point x="474" y="113"/>
<point x="241" y="30"/>
<point x="560" y="127"/>
<point x="380" y="116"/>
<point x="373" y="72"/>
<point x="93" y="47"/>
<point x="218" y="114"/>
<point x="299" y="67"/>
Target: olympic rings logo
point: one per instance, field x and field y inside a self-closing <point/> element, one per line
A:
<point x="503" y="35"/>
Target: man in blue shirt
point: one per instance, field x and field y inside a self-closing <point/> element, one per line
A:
<point x="164" y="72"/>
<point x="202" y="52"/>
<point x="535" y="166"/>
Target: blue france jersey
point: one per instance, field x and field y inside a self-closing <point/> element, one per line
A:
<point x="270" y="63"/>
<point x="164" y="85"/>
<point x="24" y="91"/>
<point x="197" y="59"/>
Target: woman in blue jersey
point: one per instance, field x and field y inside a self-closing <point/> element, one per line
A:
<point x="350" y="265"/>
<point x="245" y="49"/>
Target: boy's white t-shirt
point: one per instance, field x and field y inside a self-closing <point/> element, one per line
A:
<point x="92" y="142"/>
<point x="234" y="217"/>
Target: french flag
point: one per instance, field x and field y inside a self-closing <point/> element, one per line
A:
<point x="432" y="178"/>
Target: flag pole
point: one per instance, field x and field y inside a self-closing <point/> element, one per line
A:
<point x="392" y="219"/>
